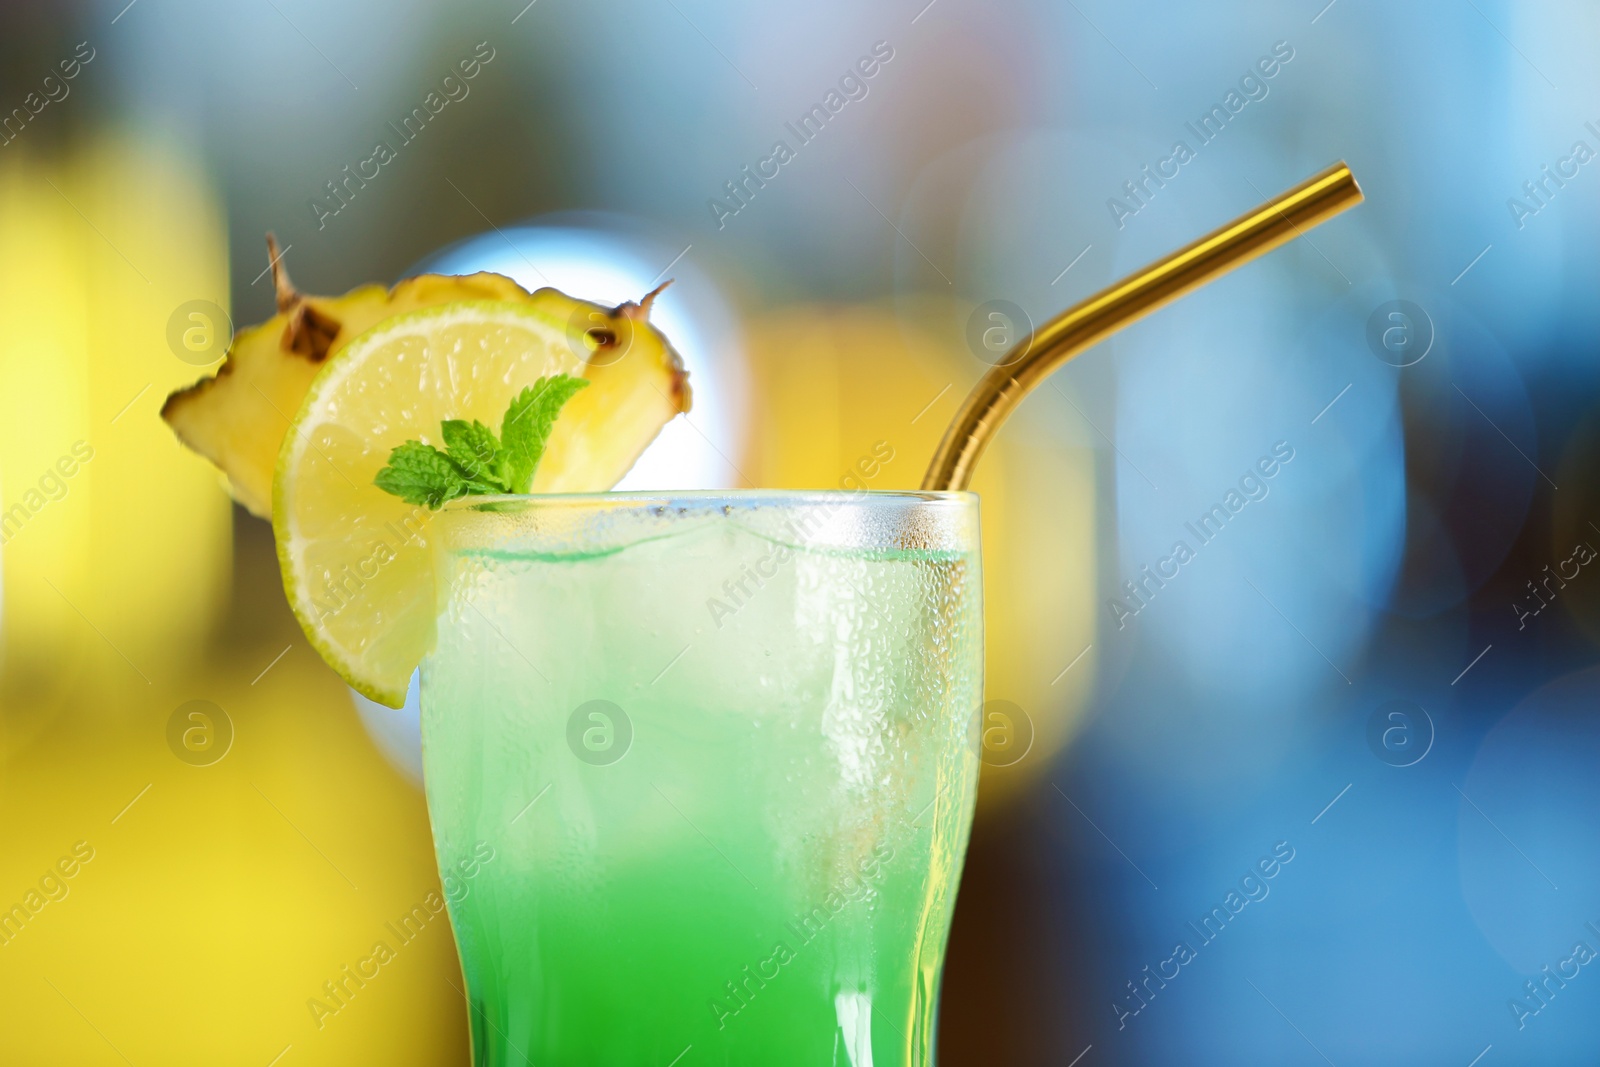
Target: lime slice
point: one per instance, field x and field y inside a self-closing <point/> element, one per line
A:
<point x="356" y="564"/>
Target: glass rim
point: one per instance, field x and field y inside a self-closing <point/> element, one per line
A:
<point x="669" y="497"/>
<point x="843" y="519"/>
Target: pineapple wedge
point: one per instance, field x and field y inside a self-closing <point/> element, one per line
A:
<point x="308" y="406"/>
<point x="237" y="419"/>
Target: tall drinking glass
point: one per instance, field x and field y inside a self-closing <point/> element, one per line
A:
<point x="701" y="770"/>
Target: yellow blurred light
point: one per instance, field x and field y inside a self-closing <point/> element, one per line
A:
<point x="219" y="898"/>
<point x="44" y="376"/>
<point x="96" y="251"/>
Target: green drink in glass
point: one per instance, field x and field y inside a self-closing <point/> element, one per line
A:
<point x="722" y="748"/>
<point x="701" y="768"/>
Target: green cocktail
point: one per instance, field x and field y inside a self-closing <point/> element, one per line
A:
<point x="722" y="746"/>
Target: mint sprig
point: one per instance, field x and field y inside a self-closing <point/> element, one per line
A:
<point x="474" y="461"/>
<point x="526" y="427"/>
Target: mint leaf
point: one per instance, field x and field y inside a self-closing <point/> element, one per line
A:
<point x="528" y="423"/>
<point x="475" y="462"/>
<point x="474" y="448"/>
<point x="421" y="474"/>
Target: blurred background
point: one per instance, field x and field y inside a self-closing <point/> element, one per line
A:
<point x="1373" y="675"/>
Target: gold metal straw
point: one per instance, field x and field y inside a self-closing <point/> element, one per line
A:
<point x="1254" y="233"/>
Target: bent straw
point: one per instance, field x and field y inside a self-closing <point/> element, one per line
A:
<point x="1252" y="234"/>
